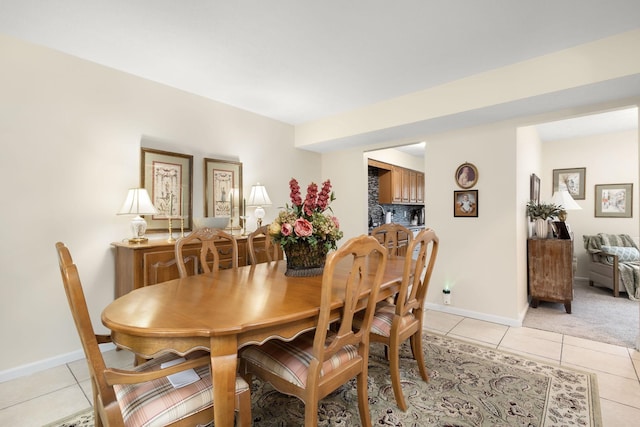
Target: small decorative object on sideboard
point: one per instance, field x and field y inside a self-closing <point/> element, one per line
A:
<point x="541" y="213"/>
<point x="138" y="203"/>
<point x="259" y="198"/>
<point x="305" y="232"/>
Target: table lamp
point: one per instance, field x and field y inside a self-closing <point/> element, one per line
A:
<point x="563" y="199"/>
<point x="259" y="198"/>
<point x="138" y="203"/>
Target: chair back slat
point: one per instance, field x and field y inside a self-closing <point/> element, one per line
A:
<point x="392" y="237"/>
<point x="209" y="255"/>
<point x="415" y="280"/>
<point x="267" y="251"/>
<point x="82" y="320"/>
<point x="359" y="289"/>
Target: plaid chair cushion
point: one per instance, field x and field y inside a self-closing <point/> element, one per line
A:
<point x="382" y="318"/>
<point x="157" y="403"/>
<point x="290" y="360"/>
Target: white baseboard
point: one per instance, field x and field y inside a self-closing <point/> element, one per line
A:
<point x="41" y="365"/>
<point x="476" y="315"/>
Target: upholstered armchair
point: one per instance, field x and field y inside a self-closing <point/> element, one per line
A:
<point x="614" y="263"/>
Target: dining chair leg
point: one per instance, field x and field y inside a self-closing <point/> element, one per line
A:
<point x="394" y="368"/>
<point x="96" y="415"/>
<point x="244" y="406"/>
<point x="418" y="355"/>
<point x="363" y="398"/>
<point x="311" y="412"/>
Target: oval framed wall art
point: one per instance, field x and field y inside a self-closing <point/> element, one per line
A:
<point x="466" y="175"/>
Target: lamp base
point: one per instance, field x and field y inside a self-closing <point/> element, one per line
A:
<point x="259" y="213"/>
<point x="138" y="240"/>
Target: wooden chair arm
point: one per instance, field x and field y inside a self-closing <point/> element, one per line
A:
<point x="121" y="376"/>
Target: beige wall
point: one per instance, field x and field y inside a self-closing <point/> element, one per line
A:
<point x="608" y="159"/>
<point x="483" y="260"/>
<point x="71" y="133"/>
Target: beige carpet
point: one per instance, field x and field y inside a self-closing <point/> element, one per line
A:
<point x="469" y="385"/>
<point x="595" y="315"/>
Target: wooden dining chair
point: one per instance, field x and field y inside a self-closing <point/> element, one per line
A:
<point x="393" y="323"/>
<point x="143" y="396"/>
<point x="395" y="237"/>
<point x="267" y="251"/>
<point x="204" y="263"/>
<point x="318" y="362"/>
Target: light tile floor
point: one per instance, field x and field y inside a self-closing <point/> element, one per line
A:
<point x="58" y="392"/>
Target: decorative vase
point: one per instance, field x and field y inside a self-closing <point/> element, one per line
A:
<point x="303" y="259"/>
<point x="542" y="228"/>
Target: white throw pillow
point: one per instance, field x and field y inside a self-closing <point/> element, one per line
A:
<point x="625" y="254"/>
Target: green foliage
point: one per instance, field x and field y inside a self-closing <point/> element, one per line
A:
<point x="542" y="210"/>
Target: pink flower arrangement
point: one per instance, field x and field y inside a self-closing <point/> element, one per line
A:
<point x="306" y="219"/>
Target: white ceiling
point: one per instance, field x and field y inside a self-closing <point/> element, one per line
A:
<point x="301" y="60"/>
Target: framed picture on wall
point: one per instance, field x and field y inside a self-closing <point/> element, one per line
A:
<point x="465" y="203"/>
<point x="466" y="175"/>
<point x="223" y="190"/>
<point x="534" y="192"/>
<point x="168" y="177"/>
<point x="614" y="200"/>
<point x="571" y="179"/>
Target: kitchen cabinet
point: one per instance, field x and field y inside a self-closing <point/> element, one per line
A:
<point x="397" y="185"/>
<point x="419" y="187"/>
<point x="406" y="185"/>
<point x="550" y="271"/>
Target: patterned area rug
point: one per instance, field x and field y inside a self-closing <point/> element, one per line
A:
<point x="469" y="385"/>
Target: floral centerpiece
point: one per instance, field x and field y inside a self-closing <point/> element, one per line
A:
<point x="305" y="230"/>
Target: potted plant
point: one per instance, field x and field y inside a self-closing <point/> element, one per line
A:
<point x="540" y="213"/>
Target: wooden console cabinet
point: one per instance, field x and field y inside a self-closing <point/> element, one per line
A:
<point x="551" y="271"/>
<point x="139" y="265"/>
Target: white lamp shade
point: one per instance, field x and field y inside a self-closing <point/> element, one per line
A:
<point x="137" y="202"/>
<point x="258" y="196"/>
<point x="563" y="198"/>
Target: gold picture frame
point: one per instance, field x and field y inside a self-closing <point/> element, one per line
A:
<point x="223" y="190"/>
<point x="168" y="178"/>
<point x="466" y="175"/>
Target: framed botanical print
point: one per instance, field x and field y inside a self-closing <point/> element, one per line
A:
<point x="168" y="177"/>
<point x="223" y="190"/>
<point x="614" y="200"/>
<point x="465" y="203"/>
<point x="466" y="175"/>
<point x="571" y="179"/>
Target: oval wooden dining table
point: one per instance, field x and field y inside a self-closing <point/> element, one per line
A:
<point x="223" y="311"/>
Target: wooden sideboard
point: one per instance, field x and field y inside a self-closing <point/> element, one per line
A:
<point x="551" y="271"/>
<point x="139" y="265"/>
